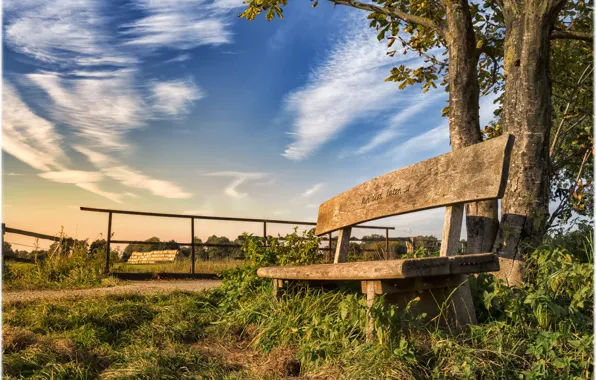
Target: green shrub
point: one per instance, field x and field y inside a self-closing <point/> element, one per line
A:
<point x="540" y="330"/>
<point x="293" y="249"/>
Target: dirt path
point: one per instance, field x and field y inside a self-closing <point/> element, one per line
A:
<point x="130" y="287"/>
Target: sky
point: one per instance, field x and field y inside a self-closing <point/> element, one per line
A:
<point x="179" y="106"/>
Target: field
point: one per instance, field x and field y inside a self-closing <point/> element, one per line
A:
<point x="182" y="266"/>
<point x="542" y="330"/>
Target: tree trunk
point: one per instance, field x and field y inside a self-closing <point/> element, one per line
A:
<point x="464" y="122"/>
<point x="526" y="115"/>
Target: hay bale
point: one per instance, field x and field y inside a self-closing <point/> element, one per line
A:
<point x="154" y="257"/>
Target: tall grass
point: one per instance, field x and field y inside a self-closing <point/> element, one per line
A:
<point x="180" y="266"/>
<point x="542" y="330"/>
<point x="68" y="268"/>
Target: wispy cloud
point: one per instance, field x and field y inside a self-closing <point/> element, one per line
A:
<point x="62" y="32"/>
<point x="94" y="188"/>
<point x="396" y="123"/>
<point x="181" y="24"/>
<point x="101" y="110"/>
<point x="173" y="97"/>
<point x="28" y="137"/>
<point x="92" y="83"/>
<point x="347" y="86"/>
<point x="434" y="141"/>
<point x="240" y="177"/>
<point x="72" y="176"/>
<point x="130" y="177"/>
<point x="179" y="58"/>
<point x="312" y="190"/>
<point x="13" y="174"/>
<point x="228" y="5"/>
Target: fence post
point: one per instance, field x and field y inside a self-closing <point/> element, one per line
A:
<point x="386" y="243"/>
<point x="265" y="232"/>
<point x="3" y="229"/>
<point x="330" y="255"/>
<point x="192" y="245"/>
<point x="107" y="269"/>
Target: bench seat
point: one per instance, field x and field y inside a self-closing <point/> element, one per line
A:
<point x="387" y="269"/>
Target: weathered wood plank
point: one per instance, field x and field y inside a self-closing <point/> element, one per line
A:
<point x="386" y="269"/>
<point x="470" y="174"/>
<point x="474" y="263"/>
<point x="452" y="230"/>
<point x="343" y="243"/>
<point x="406" y="285"/>
<point x="370" y="300"/>
<point x="461" y="301"/>
<point x="370" y="270"/>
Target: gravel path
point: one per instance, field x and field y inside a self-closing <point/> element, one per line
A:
<point x="130" y="287"/>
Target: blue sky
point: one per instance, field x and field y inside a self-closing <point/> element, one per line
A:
<point x="181" y="107"/>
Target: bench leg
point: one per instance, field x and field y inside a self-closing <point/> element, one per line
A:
<point x="462" y="307"/>
<point x="277" y="288"/>
<point x="369" y="289"/>
<point x="446" y="298"/>
<point x="343" y="244"/>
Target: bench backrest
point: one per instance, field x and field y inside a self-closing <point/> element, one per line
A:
<point x="475" y="173"/>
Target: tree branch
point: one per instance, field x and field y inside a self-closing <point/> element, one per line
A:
<point x="587" y="71"/>
<point x="427" y="23"/>
<point x="570" y="191"/>
<point x="571" y="35"/>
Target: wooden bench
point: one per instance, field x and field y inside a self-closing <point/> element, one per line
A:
<point x="475" y="173"/>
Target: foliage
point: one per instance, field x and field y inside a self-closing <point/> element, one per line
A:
<point x="218" y="253"/>
<point x="291" y="250"/>
<point x="71" y="266"/>
<point x="543" y="329"/>
<point x="421" y="28"/>
<point x="572" y="141"/>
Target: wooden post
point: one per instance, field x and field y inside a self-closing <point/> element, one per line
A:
<point x="107" y="268"/>
<point x="370" y="320"/>
<point x="343" y="243"/>
<point x="411" y="245"/>
<point x="192" y="246"/>
<point x="265" y="232"/>
<point x="277" y="288"/>
<point x="386" y="243"/>
<point x="328" y="256"/>
<point x="3" y="232"/>
<point x="462" y="298"/>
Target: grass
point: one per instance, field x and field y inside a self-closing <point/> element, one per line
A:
<point x="182" y="266"/>
<point x="78" y="269"/>
<point x="542" y="330"/>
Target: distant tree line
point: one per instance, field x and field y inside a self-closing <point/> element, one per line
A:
<point x="61" y="247"/>
<point x="201" y="252"/>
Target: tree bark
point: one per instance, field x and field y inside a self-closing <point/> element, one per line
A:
<point x="526" y="115"/>
<point x="464" y="121"/>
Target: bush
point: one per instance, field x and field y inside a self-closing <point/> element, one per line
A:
<point x="291" y="250"/>
<point x="541" y="330"/>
